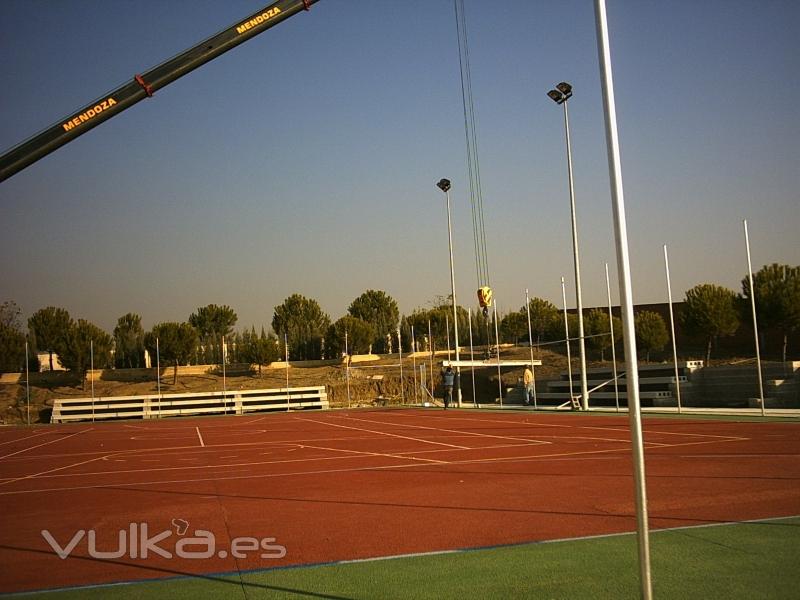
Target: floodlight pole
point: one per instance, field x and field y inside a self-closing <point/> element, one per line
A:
<point x="626" y="296"/>
<point x="577" y="261"/>
<point x="444" y="185"/>
<point x="561" y="96"/>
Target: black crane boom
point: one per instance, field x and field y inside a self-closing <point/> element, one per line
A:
<point x="145" y="85"/>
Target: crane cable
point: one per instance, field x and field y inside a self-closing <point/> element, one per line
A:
<point x="473" y="164"/>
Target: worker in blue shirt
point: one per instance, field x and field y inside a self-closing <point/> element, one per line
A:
<point x="448" y="379"/>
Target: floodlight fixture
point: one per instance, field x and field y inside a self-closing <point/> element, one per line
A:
<point x="556" y="96"/>
<point x="444" y="185"/>
<point x="561" y="94"/>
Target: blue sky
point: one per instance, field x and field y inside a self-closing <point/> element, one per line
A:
<point x="305" y="160"/>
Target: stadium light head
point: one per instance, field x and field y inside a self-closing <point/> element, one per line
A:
<point x="556" y="96"/>
<point x="444" y="185"/>
<point x="561" y="94"/>
<point x="565" y="89"/>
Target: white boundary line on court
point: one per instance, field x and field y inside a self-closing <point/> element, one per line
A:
<point x="366" y="453"/>
<point x="209" y="425"/>
<point x="205" y="466"/>
<point x="47" y="473"/>
<point x="405" y="437"/>
<point x="522" y="458"/>
<point x="202" y="443"/>
<point x="528" y="441"/>
<point x="621" y="429"/>
<point x="208" y="447"/>
<point x="46" y="443"/>
<point x="25" y="437"/>
<point x="361" y="453"/>
<point x="466" y="433"/>
<point x="580" y="455"/>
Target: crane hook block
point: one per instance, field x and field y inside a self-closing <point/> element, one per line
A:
<point x="485" y="296"/>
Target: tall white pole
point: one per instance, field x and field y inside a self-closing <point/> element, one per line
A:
<point x="497" y="340"/>
<point x="286" y="354"/>
<point x="224" y="386"/>
<point x="347" y="367"/>
<point x="672" y="328"/>
<point x="566" y="336"/>
<point x="626" y="296"/>
<point x="453" y="291"/>
<point x="472" y="359"/>
<point x="27" y="382"/>
<point x="158" y="376"/>
<point x="755" y="324"/>
<point x="613" y="341"/>
<point x="400" y="353"/>
<point x="91" y="367"/>
<point x="577" y="262"/>
<point x="430" y="344"/>
<point x="414" y="363"/>
<point x="530" y="345"/>
<point x="447" y="331"/>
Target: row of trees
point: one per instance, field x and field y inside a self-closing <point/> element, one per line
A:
<point x="547" y="325"/>
<point x="373" y="324"/>
<point x="709" y="312"/>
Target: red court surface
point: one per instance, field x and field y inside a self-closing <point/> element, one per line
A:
<point x="341" y="485"/>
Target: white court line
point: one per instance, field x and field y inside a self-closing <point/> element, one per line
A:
<point x="46" y="443"/>
<point x="769" y="456"/>
<point x="472" y="433"/>
<point x="540" y="424"/>
<point x="525" y="458"/>
<point x="202" y="443"/>
<point x="218" y="466"/>
<point x="26" y="437"/>
<point x="208" y="447"/>
<point x="295" y="473"/>
<point x="481" y="448"/>
<point x="209" y="425"/>
<point x="367" y="453"/>
<point x="47" y="473"/>
<point x="204" y="479"/>
<point x="405" y="437"/>
<point x="590" y="455"/>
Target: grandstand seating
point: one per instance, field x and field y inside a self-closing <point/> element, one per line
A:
<point x="155" y="406"/>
